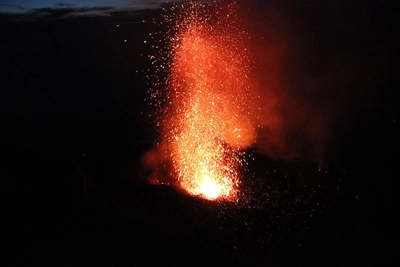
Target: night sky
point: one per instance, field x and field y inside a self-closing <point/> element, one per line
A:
<point x="21" y="6"/>
<point x="322" y="189"/>
<point x="43" y="9"/>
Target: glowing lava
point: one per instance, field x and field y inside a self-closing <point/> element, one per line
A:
<point x="205" y="116"/>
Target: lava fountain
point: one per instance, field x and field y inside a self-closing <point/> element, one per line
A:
<point x="204" y="112"/>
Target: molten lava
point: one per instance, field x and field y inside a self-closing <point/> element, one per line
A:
<point x="206" y="119"/>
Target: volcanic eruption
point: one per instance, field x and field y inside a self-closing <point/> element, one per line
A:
<point x="203" y="108"/>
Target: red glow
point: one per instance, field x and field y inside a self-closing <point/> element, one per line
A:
<point x="206" y="117"/>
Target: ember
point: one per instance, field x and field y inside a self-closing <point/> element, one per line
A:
<point x="204" y="112"/>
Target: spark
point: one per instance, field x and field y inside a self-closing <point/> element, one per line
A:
<point x="203" y="108"/>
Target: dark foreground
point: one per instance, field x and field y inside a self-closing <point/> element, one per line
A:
<point x="64" y="211"/>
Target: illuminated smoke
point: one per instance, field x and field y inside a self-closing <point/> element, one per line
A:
<point x="224" y="84"/>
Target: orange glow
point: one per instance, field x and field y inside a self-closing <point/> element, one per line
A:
<point x="206" y="119"/>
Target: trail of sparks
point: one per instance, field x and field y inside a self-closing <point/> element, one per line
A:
<point x="205" y="117"/>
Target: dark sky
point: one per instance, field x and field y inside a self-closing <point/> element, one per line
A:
<point x="48" y="9"/>
<point x="70" y="82"/>
<point x="21" y="6"/>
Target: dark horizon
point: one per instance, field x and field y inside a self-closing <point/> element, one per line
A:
<point x="45" y="10"/>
